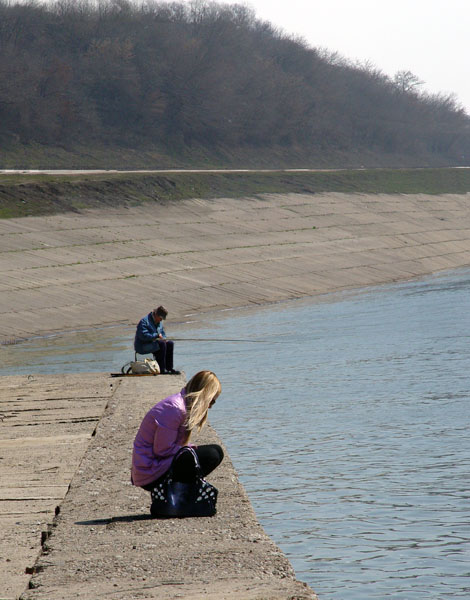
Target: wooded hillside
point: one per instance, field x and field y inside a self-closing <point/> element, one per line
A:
<point x="202" y="75"/>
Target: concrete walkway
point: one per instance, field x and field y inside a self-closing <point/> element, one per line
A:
<point x="76" y="271"/>
<point x="103" y="543"/>
<point x="46" y="429"/>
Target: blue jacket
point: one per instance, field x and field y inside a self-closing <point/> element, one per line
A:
<point x="147" y="332"/>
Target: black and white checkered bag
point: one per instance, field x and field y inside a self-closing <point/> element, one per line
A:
<point x="172" y="498"/>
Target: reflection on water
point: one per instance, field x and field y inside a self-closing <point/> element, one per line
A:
<point x="348" y="427"/>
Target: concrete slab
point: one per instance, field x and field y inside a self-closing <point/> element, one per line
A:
<point x="47" y="425"/>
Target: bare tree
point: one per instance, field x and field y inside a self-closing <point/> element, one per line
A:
<point x="406" y="81"/>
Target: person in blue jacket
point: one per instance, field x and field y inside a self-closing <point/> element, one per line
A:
<point x="150" y="338"/>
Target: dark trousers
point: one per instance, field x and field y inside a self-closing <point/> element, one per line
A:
<point x="164" y="354"/>
<point x="210" y="456"/>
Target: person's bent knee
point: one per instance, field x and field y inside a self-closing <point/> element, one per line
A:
<point x="211" y="455"/>
<point x="219" y="451"/>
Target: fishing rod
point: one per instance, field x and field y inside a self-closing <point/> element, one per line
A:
<point x="217" y="340"/>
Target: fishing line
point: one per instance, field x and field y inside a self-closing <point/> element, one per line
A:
<point x="218" y="340"/>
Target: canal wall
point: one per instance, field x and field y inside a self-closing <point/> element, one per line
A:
<point x="106" y="267"/>
<point x="73" y="525"/>
<point x="98" y="268"/>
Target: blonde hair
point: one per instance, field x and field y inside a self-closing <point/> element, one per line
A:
<point x="201" y="390"/>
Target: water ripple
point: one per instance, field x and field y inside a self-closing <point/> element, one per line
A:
<point x="349" y="429"/>
<point x="356" y="456"/>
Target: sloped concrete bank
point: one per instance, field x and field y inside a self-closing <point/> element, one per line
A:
<point x="103" y="544"/>
<point x="104" y="267"/>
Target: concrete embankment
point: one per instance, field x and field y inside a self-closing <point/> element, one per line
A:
<point x="111" y="266"/>
<point x="103" y="543"/>
<point x="98" y="268"/>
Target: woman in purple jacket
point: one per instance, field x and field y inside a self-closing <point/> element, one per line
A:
<point x="167" y="427"/>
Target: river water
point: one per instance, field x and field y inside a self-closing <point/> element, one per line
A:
<point x="347" y="419"/>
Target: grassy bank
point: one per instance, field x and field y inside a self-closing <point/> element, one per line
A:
<point x="25" y="195"/>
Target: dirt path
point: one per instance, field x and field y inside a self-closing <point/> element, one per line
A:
<point x="105" y="267"/>
<point x="103" y="543"/>
<point x="161" y="171"/>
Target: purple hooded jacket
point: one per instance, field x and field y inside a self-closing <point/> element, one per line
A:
<point x="161" y="434"/>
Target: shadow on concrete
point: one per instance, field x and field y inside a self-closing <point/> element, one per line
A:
<point x="122" y="519"/>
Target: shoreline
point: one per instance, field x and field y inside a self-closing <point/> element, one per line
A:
<point x="99" y="268"/>
<point x="182" y="324"/>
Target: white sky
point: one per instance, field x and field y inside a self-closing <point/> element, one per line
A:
<point x="430" y="38"/>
